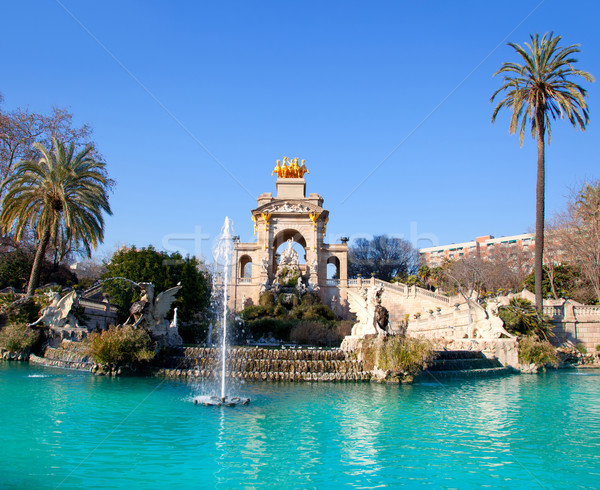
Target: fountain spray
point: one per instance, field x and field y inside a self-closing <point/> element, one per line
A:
<point x="223" y="254"/>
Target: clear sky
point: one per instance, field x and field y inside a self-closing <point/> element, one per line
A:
<point x="192" y="103"/>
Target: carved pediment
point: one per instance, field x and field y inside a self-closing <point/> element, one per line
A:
<point x="291" y="207"/>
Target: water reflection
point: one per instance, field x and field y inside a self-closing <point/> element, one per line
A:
<point x="513" y="432"/>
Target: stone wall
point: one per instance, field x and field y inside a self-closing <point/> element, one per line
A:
<point x="577" y="324"/>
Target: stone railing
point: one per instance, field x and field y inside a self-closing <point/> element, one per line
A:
<point x="553" y="311"/>
<point x="452" y="324"/>
<point x="430" y="294"/>
<point x="332" y="282"/>
<point x="245" y="280"/>
<point x="395" y="286"/>
<point x="561" y="311"/>
<point x="587" y="310"/>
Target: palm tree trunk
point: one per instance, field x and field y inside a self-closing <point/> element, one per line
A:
<point x="34" y="278"/>
<point x="539" y="209"/>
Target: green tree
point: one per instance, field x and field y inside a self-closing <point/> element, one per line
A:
<point x="62" y="196"/>
<point x="566" y="281"/>
<point x="535" y="92"/>
<point x="164" y="271"/>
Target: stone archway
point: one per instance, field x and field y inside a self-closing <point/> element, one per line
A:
<point x="245" y="266"/>
<point x="280" y="243"/>
<point x="334" y="271"/>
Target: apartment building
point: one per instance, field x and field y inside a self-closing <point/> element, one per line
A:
<point x="483" y="247"/>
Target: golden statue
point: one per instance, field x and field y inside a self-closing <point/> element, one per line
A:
<point x="277" y="170"/>
<point x="289" y="169"/>
<point x="302" y="170"/>
<point x="295" y="168"/>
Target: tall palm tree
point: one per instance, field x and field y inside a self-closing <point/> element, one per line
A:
<point x="537" y="91"/>
<point x="61" y="197"/>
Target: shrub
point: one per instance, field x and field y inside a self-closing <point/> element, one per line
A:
<point x="26" y="312"/>
<point x="121" y="346"/>
<point x="313" y="312"/>
<point x="266" y="299"/>
<point x="193" y="333"/>
<point x="315" y="333"/>
<point x="17" y="337"/>
<point x="310" y="298"/>
<point x="581" y="348"/>
<point x="538" y="352"/>
<point x="279" y="328"/>
<point x="405" y="355"/>
<point x="520" y="317"/>
<point x="254" y="312"/>
<point x="280" y="311"/>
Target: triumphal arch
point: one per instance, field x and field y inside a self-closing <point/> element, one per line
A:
<point x="290" y="230"/>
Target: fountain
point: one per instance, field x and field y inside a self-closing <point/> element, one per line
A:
<point x="223" y="254"/>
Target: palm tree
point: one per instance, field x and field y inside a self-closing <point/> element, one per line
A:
<point x="61" y="197"/>
<point x="536" y="91"/>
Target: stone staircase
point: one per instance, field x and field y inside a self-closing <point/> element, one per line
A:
<point x="464" y="364"/>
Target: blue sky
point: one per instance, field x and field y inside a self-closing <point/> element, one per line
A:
<point x="388" y="102"/>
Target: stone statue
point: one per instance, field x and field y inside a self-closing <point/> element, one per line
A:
<point x="289" y="256"/>
<point x="288" y="271"/>
<point x="264" y="265"/>
<point x="364" y="305"/>
<point x="335" y="304"/>
<point x="150" y="314"/>
<point x="314" y="269"/>
<point x="493" y="326"/>
<point x="58" y="313"/>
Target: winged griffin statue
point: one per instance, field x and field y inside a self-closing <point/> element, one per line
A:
<point x="58" y="313"/>
<point x="367" y="305"/>
<point x="150" y="313"/>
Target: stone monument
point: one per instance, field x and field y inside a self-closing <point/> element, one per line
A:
<point x="300" y="221"/>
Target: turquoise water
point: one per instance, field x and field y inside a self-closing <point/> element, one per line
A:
<point x="65" y="429"/>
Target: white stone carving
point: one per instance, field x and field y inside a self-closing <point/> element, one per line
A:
<point x="150" y="313"/>
<point x="288" y="207"/>
<point x="58" y="313"/>
<point x="289" y="256"/>
<point x="364" y="305"/>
